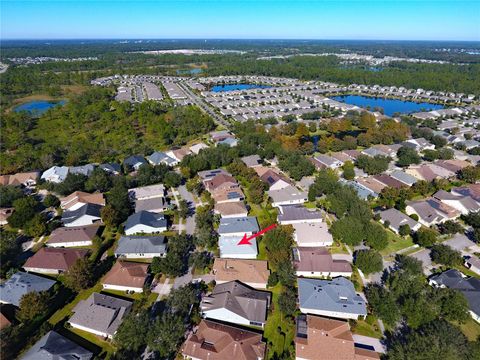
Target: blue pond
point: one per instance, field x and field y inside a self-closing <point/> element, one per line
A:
<point x="38" y="107"/>
<point x="232" y="87"/>
<point x="189" y="71"/>
<point x="389" y="106"/>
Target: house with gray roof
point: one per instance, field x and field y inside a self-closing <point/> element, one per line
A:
<point x="293" y="214"/>
<point x="21" y="283"/>
<point x="159" y="157"/>
<point x="288" y="195"/>
<point x="403" y="177"/>
<point x="100" y="314"/>
<point x="138" y="247"/>
<point x="464" y="204"/>
<point x="111" y="168"/>
<point x="145" y="222"/>
<point x="229" y="248"/>
<point x="53" y="346"/>
<point x="55" y="174"/>
<point x="82" y="170"/>
<point x="252" y="160"/>
<point x="468" y="286"/>
<point x="87" y="214"/>
<point x="236" y="303"/>
<point x="238" y="226"/>
<point x="231" y="142"/>
<point x="134" y="162"/>
<point x="334" y="298"/>
<point x="396" y="219"/>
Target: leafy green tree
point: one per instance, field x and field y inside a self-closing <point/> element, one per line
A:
<point x="99" y="180"/>
<point x="51" y="201"/>
<point x="183" y="209"/>
<point x="348" y="230"/>
<point x="9" y="248"/>
<point x="110" y="216"/>
<point x="367" y="121"/>
<point x="33" y="304"/>
<point x="369" y="261"/>
<point x="73" y="182"/>
<point x="165" y="335"/>
<point x="133" y="331"/>
<point x="287" y="302"/>
<point x="373" y="165"/>
<point x="8" y="194"/>
<point x="425" y="237"/>
<point x="119" y="201"/>
<point x="80" y="275"/>
<point x="326" y="182"/>
<point x="376" y="236"/>
<point x="404" y="230"/>
<point x="445" y="255"/>
<point x="407" y="156"/>
<point x="454" y="305"/>
<point x="470" y="174"/>
<point x="172" y="179"/>
<point x="383" y="304"/>
<point x="37" y="226"/>
<point x="450" y="227"/>
<point x="438" y="141"/>
<point x="348" y="170"/>
<point x="279" y="242"/>
<point x="25" y="209"/>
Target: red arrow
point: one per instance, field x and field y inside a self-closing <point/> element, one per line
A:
<point x="246" y="240"/>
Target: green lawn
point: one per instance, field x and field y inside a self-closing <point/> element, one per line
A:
<point x="396" y="243"/>
<point x="338" y="248"/>
<point x="105" y="345"/>
<point x="471" y="329"/>
<point x="136" y="296"/>
<point x="278" y="341"/>
<point x="370" y="328"/>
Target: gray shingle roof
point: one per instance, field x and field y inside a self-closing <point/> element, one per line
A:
<point x="111" y="167"/>
<point x="54" y="346"/>
<point x="397" y="219"/>
<point x="403" y="177"/>
<point x="134" y="159"/>
<point x="87" y="209"/>
<point x="83" y="169"/>
<point x="146" y="218"/>
<point x="141" y="245"/>
<point x="246" y="224"/>
<point x="160" y="157"/>
<point x="297" y="212"/>
<point x="101" y="313"/>
<point x="20" y="284"/>
<point x="330" y="295"/>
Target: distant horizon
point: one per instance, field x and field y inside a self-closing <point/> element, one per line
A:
<point x="387" y="20"/>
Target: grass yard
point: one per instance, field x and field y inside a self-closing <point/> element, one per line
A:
<point x="338" y="248"/>
<point x="107" y="346"/>
<point x="396" y="243"/>
<point x="471" y="329"/>
<point x="136" y="296"/>
<point x="367" y="328"/>
<point x="278" y="342"/>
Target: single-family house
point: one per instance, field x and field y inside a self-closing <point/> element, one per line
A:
<point x="216" y="341"/>
<point x="252" y="160"/>
<point x="145" y="222"/>
<point x="288" y="195"/>
<point x="473" y="263"/>
<point x="312" y="234"/>
<point x="253" y="273"/>
<point x="231" y="209"/>
<point x="472" y="190"/>
<point x="85" y="170"/>
<point x="273" y="179"/>
<point x="141" y="247"/>
<point x="403" y="177"/>
<point x="159" y="157"/>
<point x="134" y="162"/>
<point x="126" y="276"/>
<point x="53" y="346"/>
<point x="239" y="226"/>
<point x="218" y="136"/>
<point x="27" y="179"/>
<point x="464" y="204"/>
<point x="55" y="174"/>
<point x="292" y="214"/>
<point x="55" y="261"/>
<point x="318" y="262"/>
<point x="100" y="314"/>
<point x="21" y="283"/>
<point x="334" y="298"/>
<point x="396" y="219"/>
<point x="111" y="168"/>
<point x="237" y="303"/>
<point x="419" y="144"/>
<point x="87" y="214"/>
<point x="431" y="211"/>
<point x="72" y="236"/>
<point x="197" y="147"/>
<point x="326" y="162"/>
<point x="321" y="338"/>
<point x="77" y="199"/>
<point x="147" y="192"/>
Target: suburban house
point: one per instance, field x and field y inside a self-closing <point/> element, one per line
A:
<point x="312" y="234"/>
<point x="472" y="263"/>
<point x="317" y="262"/>
<point x="294" y="214"/>
<point x="53" y="346"/>
<point x="252" y="160"/>
<point x="320" y="338"/>
<point x="231" y="209"/>
<point x="464" y="204"/>
<point x="138" y="247"/>
<point x="215" y="341"/>
<point x="77" y="199"/>
<point x="197" y="147"/>
<point x="234" y="302"/>
<point x="472" y="190"/>
<point x="389" y="181"/>
<point x="72" y="236"/>
<point x="229" y="248"/>
<point x="21" y="283"/>
<point x="87" y="214"/>
<point x="371" y="184"/>
<point x="220" y="181"/>
<point x="403" y="177"/>
<point x="221" y="135"/>
<point x="334" y="298"/>
<point x="326" y="162"/>
<point x="274" y="180"/>
<point x="210" y="174"/>
<point x="419" y="144"/>
<point x="155" y="205"/>
<point x="431" y="211"/>
<point x="145" y="222"/>
<point x="158" y="158"/>
<point x="396" y="219"/>
<point x="147" y="192"/>
<point x="468" y="286"/>
<point x="238" y="226"/>
<point x="289" y="195"/>
<point x="179" y="154"/>
<point x="453" y="165"/>
<point x="134" y="162"/>
<point x="100" y="314"/>
<point x="227" y="195"/>
<point x="253" y="273"/>
<point x="86" y="170"/>
<point x="111" y="168"/>
<point x="231" y="142"/>
<point x="126" y="276"/>
<point x="27" y="179"/>
<point x="53" y="260"/>
<point x="55" y="174"/>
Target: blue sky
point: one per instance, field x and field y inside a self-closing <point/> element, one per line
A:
<point x="272" y="19"/>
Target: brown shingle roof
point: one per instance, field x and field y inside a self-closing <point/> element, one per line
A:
<point x="247" y="271"/>
<point x="220" y="181"/>
<point x="83" y="197"/>
<point x="389" y="181"/>
<point x="19" y="178"/>
<point x="318" y="259"/>
<point x="215" y="341"/>
<point x="125" y="273"/>
<point x="55" y="259"/>
<point x="73" y="234"/>
<point x="231" y="208"/>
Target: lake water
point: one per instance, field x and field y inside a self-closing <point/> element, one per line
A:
<point x="38" y="107"/>
<point x="189" y="71"/>
<point x="389" y="106"/>
<point x="233" y="87"/>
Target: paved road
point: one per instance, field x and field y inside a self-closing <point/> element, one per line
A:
<point x="197" y="100"/>
<point x="180" y="220"/>
<point x="188" y="197"/>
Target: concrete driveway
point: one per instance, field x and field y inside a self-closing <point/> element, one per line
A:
<point x="424" y="256"/>
<point x="163" y="289"/>
<point x="461" y="243"/>
<point x="190" y="220"/>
